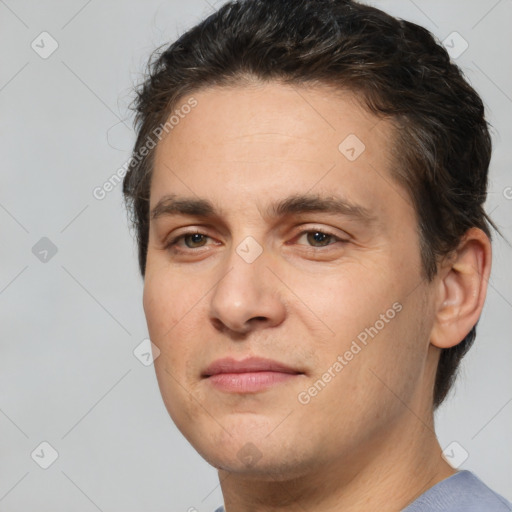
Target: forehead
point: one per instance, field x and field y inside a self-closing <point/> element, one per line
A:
<point x="267" y="139"/>
<point x="238" y="118"/>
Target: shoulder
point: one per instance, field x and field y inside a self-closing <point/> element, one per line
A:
<point x="461" y="492"/>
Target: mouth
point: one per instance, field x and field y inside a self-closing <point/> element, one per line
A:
<point x="249" y="375"/>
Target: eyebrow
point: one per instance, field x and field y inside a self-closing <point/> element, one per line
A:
<point x="171" y="204"/>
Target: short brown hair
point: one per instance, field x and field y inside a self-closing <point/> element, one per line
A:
<point x="442" y="148"/>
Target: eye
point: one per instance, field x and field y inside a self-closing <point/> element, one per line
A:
<point x="192" y="240"/>
<point x="315" y="238"/>
<point x="319" y="238"/>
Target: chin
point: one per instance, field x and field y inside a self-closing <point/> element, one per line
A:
<point x="274" y="470"/>
<point x="256" y="457"/>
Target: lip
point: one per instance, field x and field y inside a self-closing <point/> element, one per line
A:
<point x="248" y="375"/>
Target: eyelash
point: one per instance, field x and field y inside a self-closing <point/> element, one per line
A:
<point x="173" y="242"/>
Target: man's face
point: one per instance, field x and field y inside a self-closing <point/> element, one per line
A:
<point x="337" y="297"/>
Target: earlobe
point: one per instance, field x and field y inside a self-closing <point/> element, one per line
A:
<point x="462" y="289"/>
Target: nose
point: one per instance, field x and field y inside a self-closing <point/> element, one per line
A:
<point x="247" y="296"/>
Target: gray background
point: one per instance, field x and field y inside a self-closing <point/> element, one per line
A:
<point x="70" y="323"/>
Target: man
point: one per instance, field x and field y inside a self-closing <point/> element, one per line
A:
<point x="315" y="252"/>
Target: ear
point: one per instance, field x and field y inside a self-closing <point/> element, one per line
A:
<point x="461" y="289"/>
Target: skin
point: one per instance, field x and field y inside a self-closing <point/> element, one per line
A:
<point x="366" y="441"/>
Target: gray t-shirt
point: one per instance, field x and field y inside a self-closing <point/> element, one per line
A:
<point x="461" y="492"/>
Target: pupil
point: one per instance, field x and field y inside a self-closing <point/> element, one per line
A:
<point x="195" y="238"/>
<point x="319" y="237"/>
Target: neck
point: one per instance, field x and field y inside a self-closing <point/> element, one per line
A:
<point x="387" y="475"/>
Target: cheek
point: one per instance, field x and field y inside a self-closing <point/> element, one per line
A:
<point x="158" y="309"/>
<point x="392" y="364"/>
<point x="344" y="301"/>
<point x="167" y="302"/>
<point x="376" y="381"/>
<point x="372" y="321"/>
<point x="167" y="313"/>
<point x="167" y="309"/>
